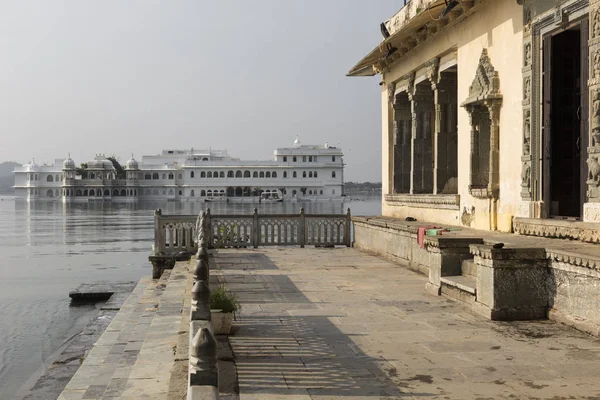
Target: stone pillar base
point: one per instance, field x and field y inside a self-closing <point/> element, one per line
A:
<point x="531" y="209"/>
<point x="511" y="283"/>
<point x="160" y="263"/>
<point x="591" y="212"/>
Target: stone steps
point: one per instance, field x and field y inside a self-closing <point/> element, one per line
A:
<point x="135" y="355"/>
<point x="459" y="287"/>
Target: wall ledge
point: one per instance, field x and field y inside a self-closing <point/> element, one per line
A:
<point x="435" y="201"/>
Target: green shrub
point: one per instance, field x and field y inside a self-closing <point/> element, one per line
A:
<point x="221" y="299"/>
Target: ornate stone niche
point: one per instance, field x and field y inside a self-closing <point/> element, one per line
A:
<point x="483" y="105"/>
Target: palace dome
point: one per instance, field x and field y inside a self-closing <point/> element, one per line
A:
<point x="100" y="162"/>
<point x="132" y="163"/>
<point x="297" y="142"/>
<point x="69" y="163"/>
<point x="32" y="166"/>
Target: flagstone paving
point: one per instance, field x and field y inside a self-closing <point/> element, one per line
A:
<point x="341" y="324"/>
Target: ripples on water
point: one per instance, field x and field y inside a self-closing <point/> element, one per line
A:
<point x="48" y="249"/>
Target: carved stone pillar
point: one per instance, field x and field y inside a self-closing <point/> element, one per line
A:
<point x="474" y="122"/>
<point x="591" y="209"/>
<point x="402" y="143"/>
<point x="494" y="179"/>
<point x="422" y="139"/>
<point x="445" y="131"/>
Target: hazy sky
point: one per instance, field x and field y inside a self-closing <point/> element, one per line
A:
<point x="120" y="77"/>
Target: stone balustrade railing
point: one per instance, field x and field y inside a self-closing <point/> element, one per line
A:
<point x="176" y="233"/>
<point x="203" y="377"/>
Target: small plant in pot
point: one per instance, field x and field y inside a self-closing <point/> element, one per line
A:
<point x="224" y="306"/>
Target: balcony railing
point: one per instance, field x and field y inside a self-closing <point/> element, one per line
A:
<point x="178" y="233"/>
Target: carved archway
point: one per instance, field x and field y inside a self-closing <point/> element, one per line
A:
<point x="483" y="105"/>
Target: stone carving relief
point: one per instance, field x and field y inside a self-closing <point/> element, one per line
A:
<point x="411" y="82"/>
<point x="527" y="91"/>
<point x="596" y="65"/>
<point x="594" y="171"/>
<point x="528" y="54"/>
<point x="433" y="72"/>
<point x="526" y="175"/>
<point x="595" y="123"/>
<point x="486" y="83"/>
<point x="391" y="88"/>
<point x="596" y="23"/>
<point x="467" y="217"/>
<point x="527" y="132"/>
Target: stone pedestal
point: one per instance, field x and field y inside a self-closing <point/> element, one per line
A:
<point x="511" y="283"/>
<point x="445" y="259"/>
<point x="591" y="212"/>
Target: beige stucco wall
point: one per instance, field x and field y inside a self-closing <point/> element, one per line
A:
<point x="498" y="26"/>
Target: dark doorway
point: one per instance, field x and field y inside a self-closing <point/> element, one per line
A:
<point x="565" y="121"/>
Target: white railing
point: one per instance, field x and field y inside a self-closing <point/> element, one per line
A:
<point x="177" y="233"/>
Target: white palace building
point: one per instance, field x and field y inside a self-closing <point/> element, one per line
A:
<point x="310" y="172"/>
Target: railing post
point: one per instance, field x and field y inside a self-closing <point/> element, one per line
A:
<point x="348" y="225"/>
<point x="203" y="359"/>
<point x="159" y="241"/>
<point x="209" y="231"/>
<point x="200" y="310"/>
<point x="302" y="229"/>
<point x="255" y="229"/>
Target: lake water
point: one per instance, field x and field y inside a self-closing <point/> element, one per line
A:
<point x="48" y="249"/>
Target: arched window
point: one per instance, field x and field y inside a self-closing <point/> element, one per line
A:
<point x="203" y="193"/>
<point x="192" y="174"/>
<point x="315" y="174"/>
<point x="171" y="192"/>
<point x="310" y="192"/>
<point x="216" y="174"/>
<point x="285" y="174"/>
<point x="284" y="158"/>
<point x="49" y="178"/>
<point x="78" y="192"/>
<point x="209" y="193"/>
<point x="209" y="174"/>
<point x="333" y="191"/>
<point x="170" y="175"/>
<point x="315" y="158"/>
<point x="255" y="174"/>
<point x="333" y="174"/>
<point x="332" y="158"/>
<point x="294" y="159"/>
<point x="164" y="176"/>
<point x="180" y="192"/>
<point x="92" y="175"/>
<point x="310" y="174"/>
<point x="239" y="192"/>
<point x="50" y="193"/>
<point x="246" y="174"/>
<point x="92" y="193"/>
<point x="230" y="174"/>
<point x="321" y="192"/>
<point x="294" y="175"/>
<point x="192" y="193"/>
<point x="222" y="192"/>
<point x="309" y="158"/>
<point x="202" y="174"/>
<point x="238" y="174"/>
<point x="56" y="178"/>
<point x="304" y="174"/>
<point x="155" y="176"/>
<point x="147" y="176"/>
<point x="274" y="174"/>
<point x="303" y="158"/>
<point x="262" y="174"/>
<point x="268" y="174"/>
<point x="36" y="177"/>
<point x="123" y="192"/>
<point x="106" y="192"/>
<point x="115" y="192"/>
<point x="294" y="192"/>
<point x="205" y="159"/>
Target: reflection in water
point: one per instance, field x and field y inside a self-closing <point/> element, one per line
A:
<point x="49" y="248"/>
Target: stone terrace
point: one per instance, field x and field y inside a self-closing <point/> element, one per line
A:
<point x="341" y="324"/>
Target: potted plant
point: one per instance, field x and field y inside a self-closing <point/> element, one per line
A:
<point x="224" y="306"/>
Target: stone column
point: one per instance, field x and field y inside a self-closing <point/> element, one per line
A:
<point x="591" y="209"/>
<point x="494" y="172"/>
<point x="402" y="143"/>
<point x="474" y="122"/>
<point x="422" y="143"/>
<point x="444" y="145"/>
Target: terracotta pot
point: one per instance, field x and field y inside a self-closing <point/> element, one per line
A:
<point x="221" y="322"/>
